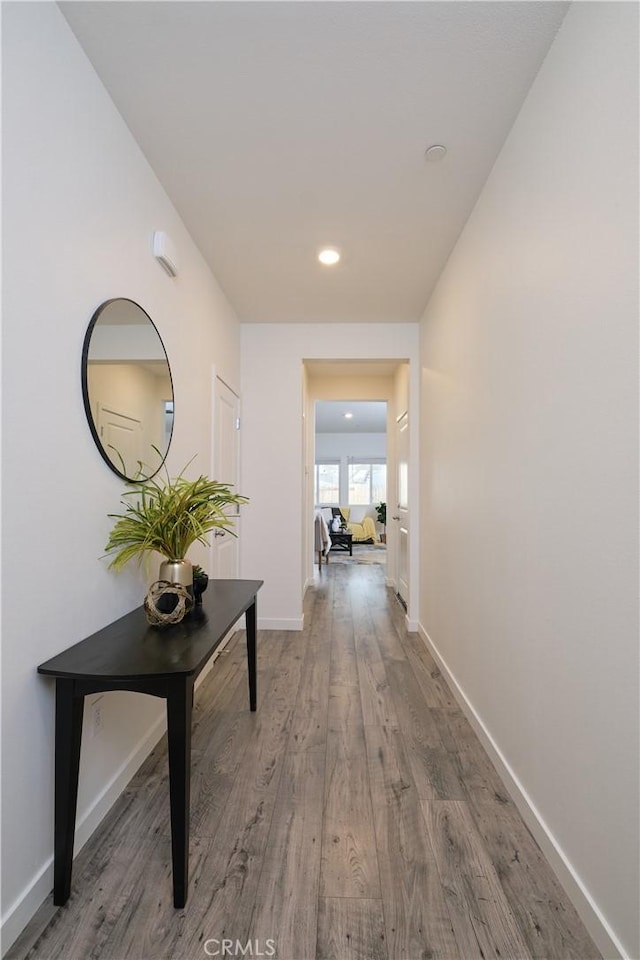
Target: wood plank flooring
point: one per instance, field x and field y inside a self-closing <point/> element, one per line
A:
<point x="355" y="816"/>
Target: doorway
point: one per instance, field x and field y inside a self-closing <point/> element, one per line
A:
<point x="393" y="381"/>
<point x="350" y="470"/>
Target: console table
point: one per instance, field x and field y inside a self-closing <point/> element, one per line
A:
<point x="161" y="661"/>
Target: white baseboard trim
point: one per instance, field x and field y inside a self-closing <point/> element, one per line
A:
<point x="411" y="625"/>
<point x="308" y="583"/>
<point x="20" y="912"/>
<point x="23" y="908"/>
<point x="295" y="623"/>
<point x="588" y="910"/>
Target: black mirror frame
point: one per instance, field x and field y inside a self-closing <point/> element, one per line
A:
<point x="85" y="387"/>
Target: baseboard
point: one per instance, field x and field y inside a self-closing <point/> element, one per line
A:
<point x="38" y="889"/>
<point x="307" y="584"/>
<point x="411" y="625"/>
<point x="588" y="910"/>
<point x="21" y="911"/>
<point x="295" y="623"/>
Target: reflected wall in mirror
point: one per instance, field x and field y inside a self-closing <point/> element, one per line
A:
<point x="127" y="388"/>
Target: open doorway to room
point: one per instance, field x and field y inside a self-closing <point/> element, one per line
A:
<point x="350" y="477"/>
<point x="392" y="384"/>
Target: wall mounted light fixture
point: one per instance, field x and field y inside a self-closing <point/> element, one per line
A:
<point x="165" y="252"/>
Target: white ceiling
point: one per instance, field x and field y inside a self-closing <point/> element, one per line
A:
<point x="369" y="416"/>
<point x="280" y="127"/>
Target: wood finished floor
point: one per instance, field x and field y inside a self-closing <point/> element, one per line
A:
<point x="354" y="817"/>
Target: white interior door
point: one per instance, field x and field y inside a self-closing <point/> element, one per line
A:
<point x="226" y="469"/>
<point x="401" y="516"/>
<point x="121" y="437"/>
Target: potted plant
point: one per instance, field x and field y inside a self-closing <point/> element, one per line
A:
<point x="200" y="582"/>
<point x="169" y="515"/>
<point x="381" y="511"/>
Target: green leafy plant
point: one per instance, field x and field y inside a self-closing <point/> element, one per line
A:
<point x="168" y="515"/>
<point x="199" y="573"/>
<point x="381" y="511"/>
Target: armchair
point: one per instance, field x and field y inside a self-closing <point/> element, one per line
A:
<point x="364" y="531"/>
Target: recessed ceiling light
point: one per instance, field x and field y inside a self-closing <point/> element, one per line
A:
<point x="329" y="256"/>
<point x="348" y="416"/>
<point x="435" y="153"/>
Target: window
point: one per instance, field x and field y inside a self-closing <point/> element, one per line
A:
<point x="327" y="488"/>
<point x="367" y="482"/>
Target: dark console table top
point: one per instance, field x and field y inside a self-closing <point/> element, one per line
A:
<point x="131" y="649"/>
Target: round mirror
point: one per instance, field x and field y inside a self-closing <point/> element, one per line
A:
<point x="127" y="389"/>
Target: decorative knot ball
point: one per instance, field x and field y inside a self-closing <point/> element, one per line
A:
<point x="158" y="598"/>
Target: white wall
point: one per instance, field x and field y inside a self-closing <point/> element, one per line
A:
<point x="529" y="466"/>
<point x="339" y="445"/>
<point x="80" y="205"/>
<point x="338" y="386"/>
<point x="272" y="445"/>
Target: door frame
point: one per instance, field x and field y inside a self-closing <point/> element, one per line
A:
<point x="215" y="378"/>
<point x="397" y="513"/>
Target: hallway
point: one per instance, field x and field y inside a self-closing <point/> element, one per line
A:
<point x="354" y="816"/>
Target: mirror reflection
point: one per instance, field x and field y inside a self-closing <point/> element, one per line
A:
<point x="127" y="388"/>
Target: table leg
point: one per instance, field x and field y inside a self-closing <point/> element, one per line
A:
<point x="251" y="655"/>
<point x="179" y="708"/>
<point x="68" y="737"/>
